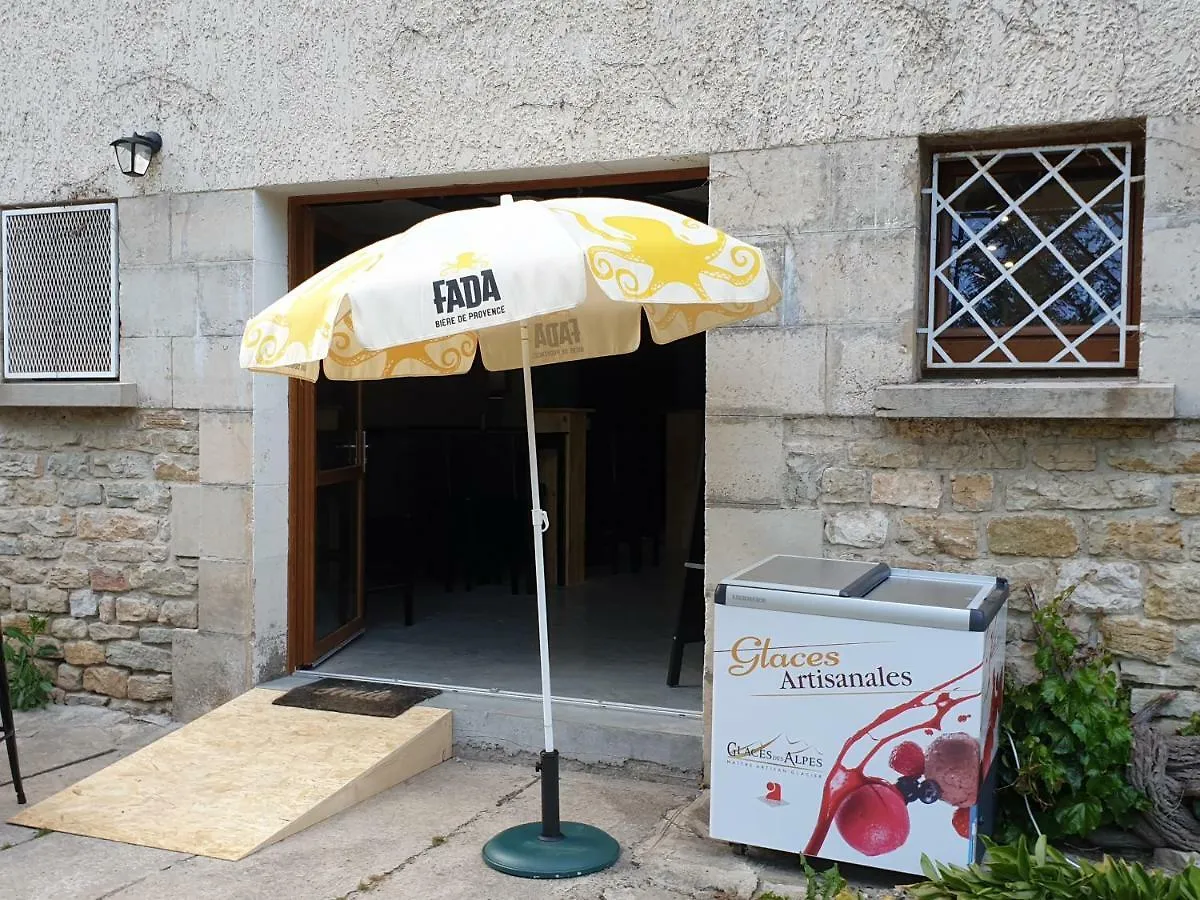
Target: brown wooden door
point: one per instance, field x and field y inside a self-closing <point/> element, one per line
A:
<point x="329" y="457"/>
<point x="336" y="606"/>
<point x="328" y="468"/>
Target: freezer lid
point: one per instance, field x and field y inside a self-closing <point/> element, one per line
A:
<point x="978" y="597"/>
<point x="811" y="575"/>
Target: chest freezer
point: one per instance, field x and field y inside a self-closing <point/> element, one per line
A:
<point x="855" y="710"/>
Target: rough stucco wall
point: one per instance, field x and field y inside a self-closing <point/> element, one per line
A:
<point x="285" y="92"/>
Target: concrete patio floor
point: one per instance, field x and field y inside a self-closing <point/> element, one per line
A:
<point x="419" y="839"/>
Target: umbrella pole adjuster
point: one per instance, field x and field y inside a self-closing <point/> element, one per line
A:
<point x="547" y="767"/>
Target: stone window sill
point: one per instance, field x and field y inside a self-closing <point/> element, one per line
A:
<point x="98" y="394"/>
<point x="1027" y="399"/>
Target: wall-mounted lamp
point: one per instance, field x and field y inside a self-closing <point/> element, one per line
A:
<point x="134" y="153"/>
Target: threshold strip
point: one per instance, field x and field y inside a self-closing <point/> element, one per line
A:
<point x="514" y="695"/>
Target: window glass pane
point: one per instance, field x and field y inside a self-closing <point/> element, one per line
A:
<point x="337" y="424"/>
<point x="1008" y="263"/>
<point x="337" y="557"/>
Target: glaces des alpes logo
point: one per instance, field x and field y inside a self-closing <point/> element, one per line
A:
<point x="778" y="752"/>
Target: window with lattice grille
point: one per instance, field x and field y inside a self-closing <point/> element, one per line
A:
<point x="59" y="272"/>
<point x="1033" y="255"/>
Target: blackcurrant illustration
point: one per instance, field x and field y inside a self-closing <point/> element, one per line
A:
<point x="930" y="791"/>
<point x="909" y="787"/>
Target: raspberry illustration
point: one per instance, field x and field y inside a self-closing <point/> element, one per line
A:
<point x="907" y="759"/>
<point x="874" y="819"/>
<point x="962" y="821"/>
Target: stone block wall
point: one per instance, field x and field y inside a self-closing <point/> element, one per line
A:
<point x="87" y="542"/>
<point x="1112" y="508"/>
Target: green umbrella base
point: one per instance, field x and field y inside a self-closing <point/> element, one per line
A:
<point x="520" y="851"/>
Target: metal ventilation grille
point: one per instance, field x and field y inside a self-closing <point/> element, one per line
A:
<point x="60" y="292"/>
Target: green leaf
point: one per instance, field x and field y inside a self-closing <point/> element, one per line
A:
<point x="928" y="868"/>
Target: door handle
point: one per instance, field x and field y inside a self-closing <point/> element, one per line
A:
<point x="354" y="449"/>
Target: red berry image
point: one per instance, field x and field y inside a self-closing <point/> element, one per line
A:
<point x="907" y="759"/>
<point x="962" y="821"/>
<point x="953" y="762"/>
<point x="874" y="819"/>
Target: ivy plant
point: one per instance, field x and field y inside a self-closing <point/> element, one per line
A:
<point x="29" y="688"/>
<point x="1073" y="737"/>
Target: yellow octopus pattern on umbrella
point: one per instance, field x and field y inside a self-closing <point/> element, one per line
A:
<point x="672" y="259"/>
<point x="349" y="360"/>
<point x="686" y="275"/>
<point x="313" y="322"/>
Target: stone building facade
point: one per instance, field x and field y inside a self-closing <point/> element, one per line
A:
<point x="148" y="518"/>
<point x="132" y="526"/>
<point x="856" y="453"/>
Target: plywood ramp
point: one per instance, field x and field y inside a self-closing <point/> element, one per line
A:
<point x="246" y="775"/>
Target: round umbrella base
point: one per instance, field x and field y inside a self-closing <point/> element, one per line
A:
<point x="521" y="851"/>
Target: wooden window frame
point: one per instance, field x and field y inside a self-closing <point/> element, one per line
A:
<point x="1036" y="343"/>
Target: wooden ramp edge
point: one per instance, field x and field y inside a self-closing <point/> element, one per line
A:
<point x="245" y="775"/>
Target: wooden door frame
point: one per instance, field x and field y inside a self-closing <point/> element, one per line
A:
<point x="302" y="460"/>
<point x="302" y="396"/>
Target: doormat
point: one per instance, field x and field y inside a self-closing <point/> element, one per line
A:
<point x="355" y="697"/>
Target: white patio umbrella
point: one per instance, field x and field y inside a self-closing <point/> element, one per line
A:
<point x="576" y="273"/>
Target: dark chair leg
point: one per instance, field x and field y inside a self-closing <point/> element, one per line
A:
<point x="689" y="625"/>
<point x="675" y="664"/>
<point x="10" y="735"/>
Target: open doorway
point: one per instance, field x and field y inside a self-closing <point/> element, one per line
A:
<point x="421" y="551"/>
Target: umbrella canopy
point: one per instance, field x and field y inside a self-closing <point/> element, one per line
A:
<point x="580" y="272"/>
<point x="523" y="284"/>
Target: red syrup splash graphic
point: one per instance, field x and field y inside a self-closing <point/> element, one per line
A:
<point x="996" y="696"/>
<point x="843" y="781"/>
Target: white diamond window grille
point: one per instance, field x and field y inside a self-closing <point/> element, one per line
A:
<point x="1030" y="242"/>
<point x="60" y="292"/>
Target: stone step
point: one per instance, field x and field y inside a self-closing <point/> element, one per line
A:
<point x="653" y="745"/>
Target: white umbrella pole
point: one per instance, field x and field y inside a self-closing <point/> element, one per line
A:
<point x="551" y="829"/>
<point x="540" y="524"/>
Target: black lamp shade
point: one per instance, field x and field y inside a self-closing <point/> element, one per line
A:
<point x="134" y="153"/>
